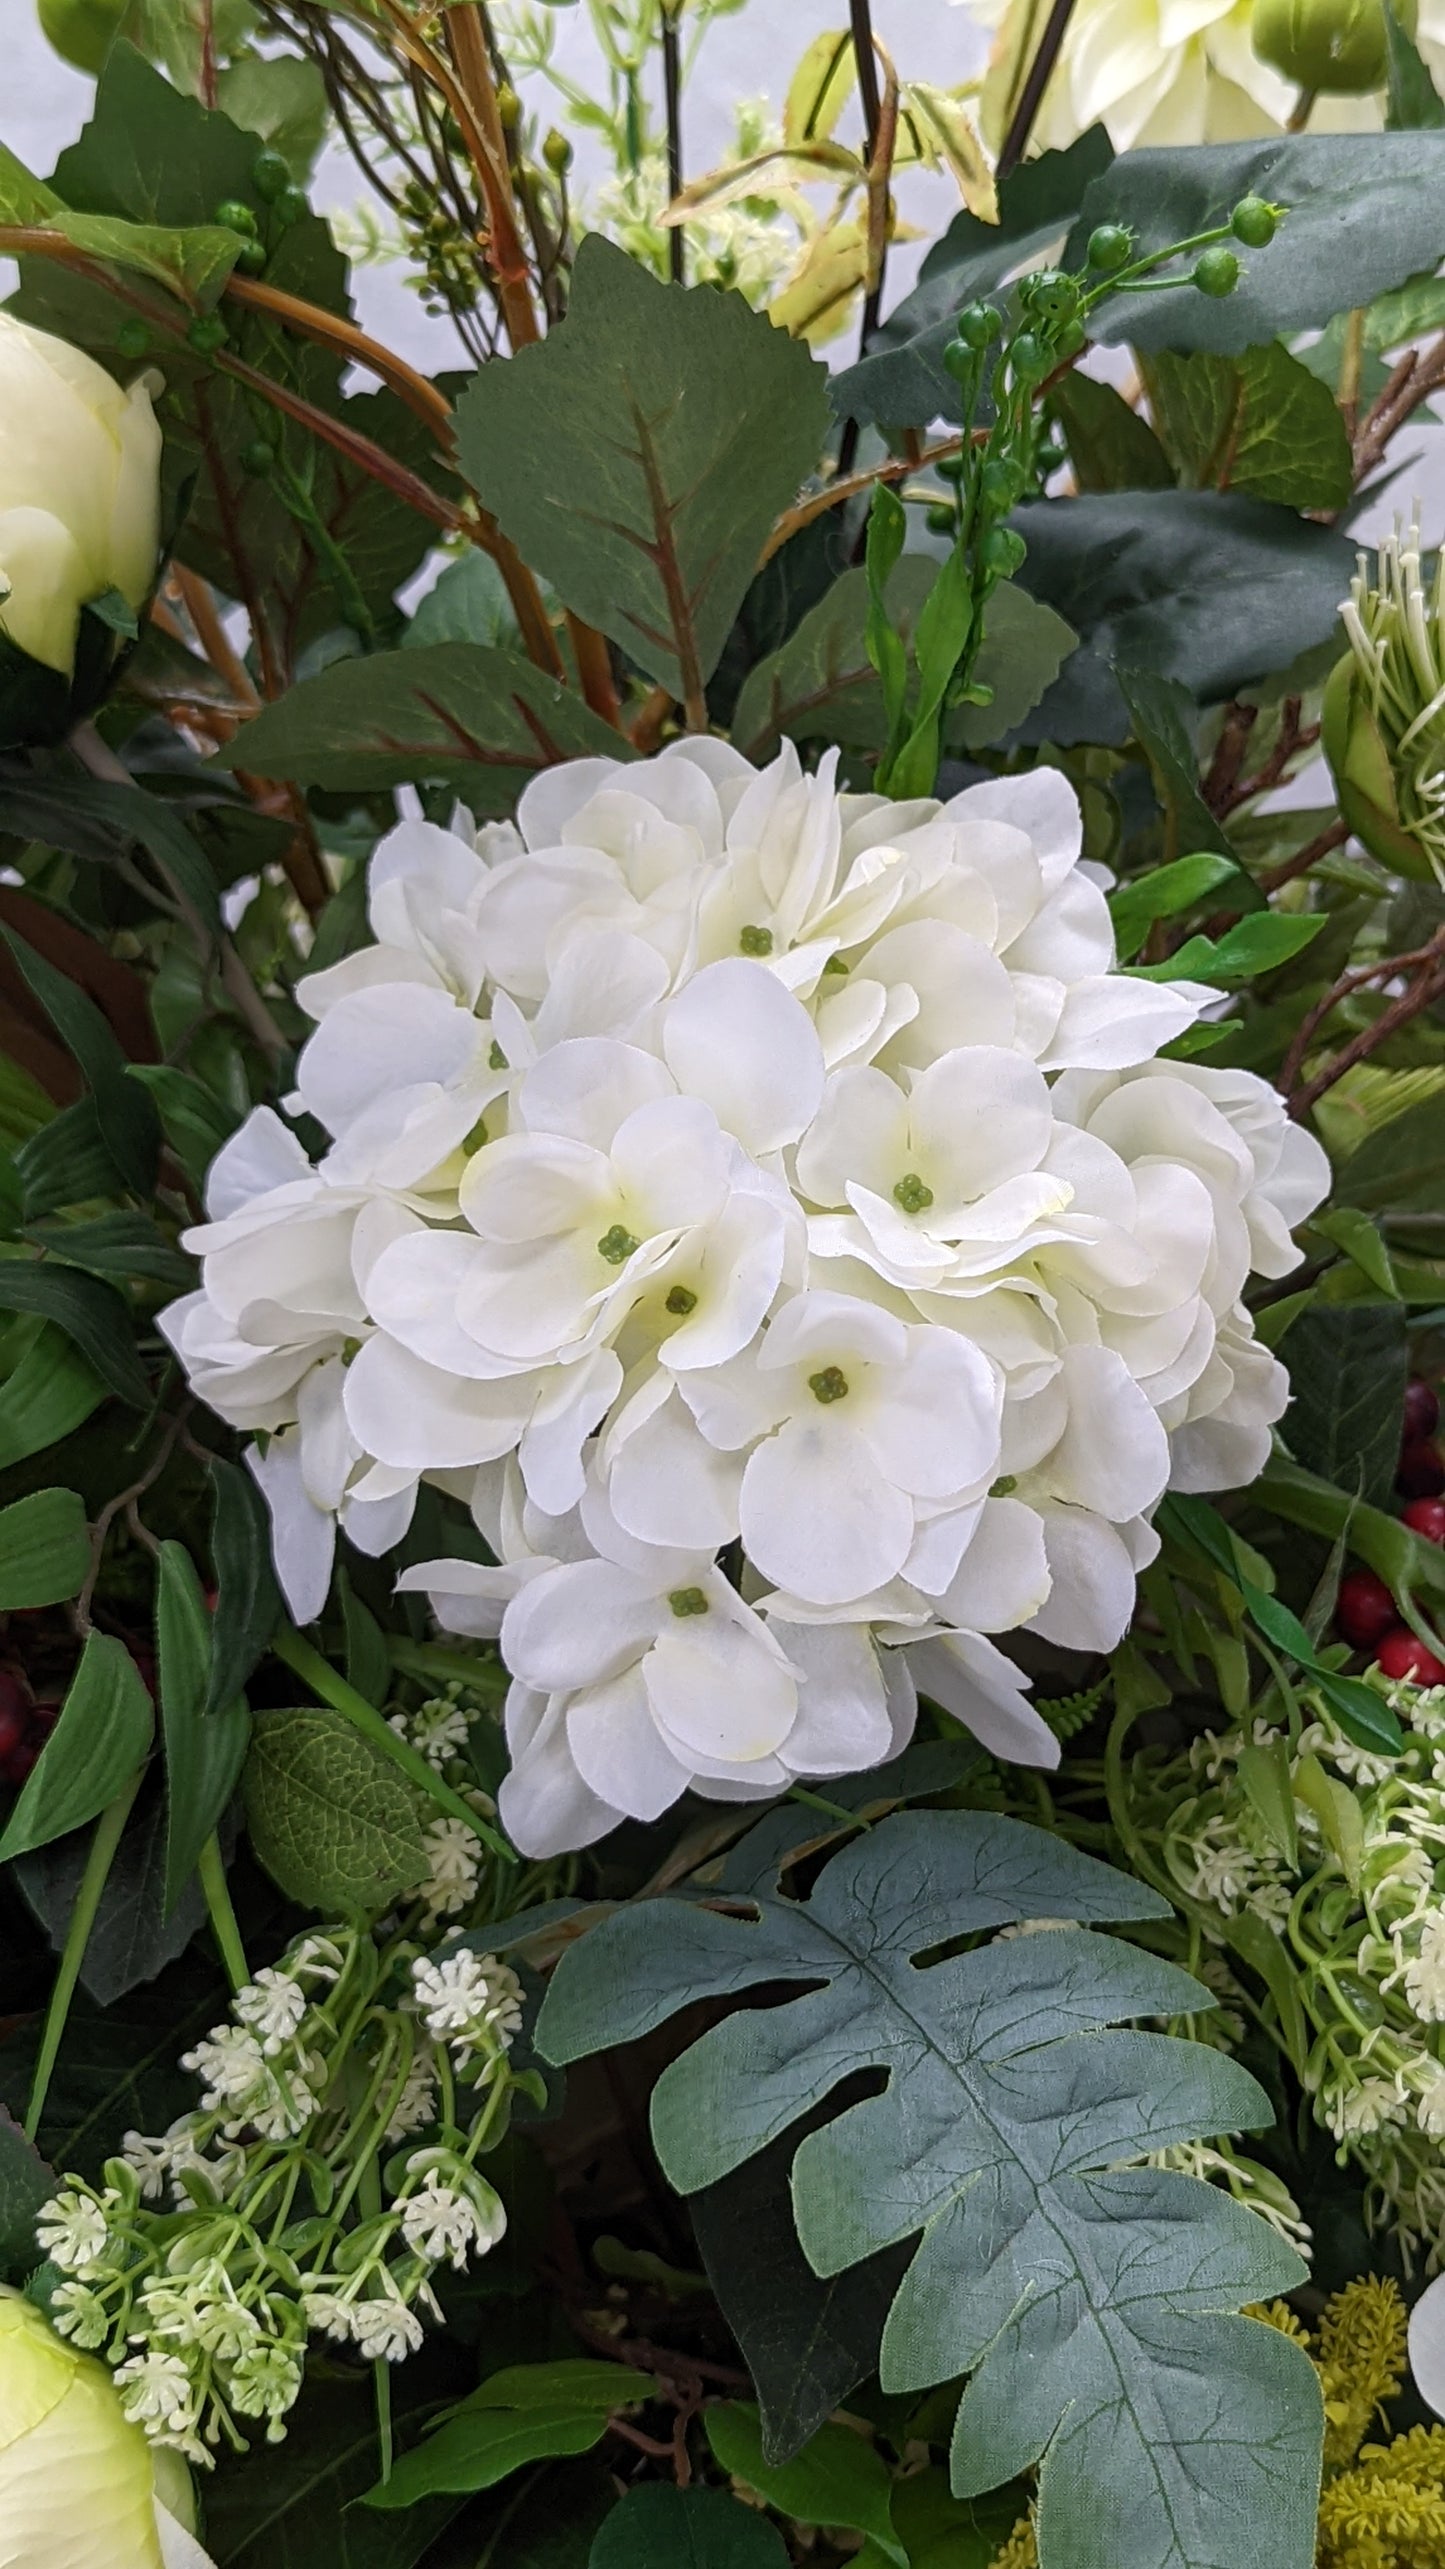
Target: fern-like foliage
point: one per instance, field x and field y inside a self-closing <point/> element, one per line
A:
<point x="1093" y="2303"/>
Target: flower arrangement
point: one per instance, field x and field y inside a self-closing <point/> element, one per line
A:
<point x="722" y="1520"/>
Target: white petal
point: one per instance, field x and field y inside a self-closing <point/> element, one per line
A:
<point x="668" y="1485"/>
<point x="719" y="1689"/>
<point x="844" y="1721"/>
<point x="618" y="1750"/>
<point x="1427" y="2345"/>
<point x="1108" y="1023"/>
<point x="1113" y="1455"/>
<point x="935" y="1429"/>
<point x="1092" y="1569"/>
<point x="735" y="1037"/>
<point x="406" y="1411"/>
<point x="985" y="1691"/>
<point x="303" y="1536"/>
<point x="1004" y="1575"/>
<point x="587" y="1087"/>
<point x="578" y="1625"/>
<point x="543" y="1805"/>
<point x="568" y="1408"/>
<point x="263" y="1154"/>
<point x="818" y="1515"/>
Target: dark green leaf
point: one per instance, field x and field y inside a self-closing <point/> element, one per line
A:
<point x="204" y="1753"/>
<point x="103" y="1732"/>
<point x="194" y="1122"/>
<point x="807" y="2340"/>
<point x="1253" y="946"/>
<point x="298" y="2510"/>
<point x="93" y="1315"/>
<point x="941" y="2531"/>
<point x="1164" y="718"/>
<point x="132" y="1939"/>
<point x="118" y="2064"/>
<point x="1025" y="645"/>
<point x="528" y="2413"/>
<point x="677" y="424"/>
<point x="279" y="97"/>
<point x="902" y="378"/>
<point x="545" y="2520"/>
<point x="1162" y="894"/>
<point x="49" y="1390"/>
<point x="1260" y="422"/>
<point x="1111" y="447"/>
<point x="661" y="2528"/>
<point x="97" y="820"/>
<point x="44" y="1550"/>
<point x="1202" y="586"/>
<point x="330" y="1818"/>
<point x="1347" y="1364"/>
<point x="468" y="604"/>
<point x="1088" y="2299"/>
<point x="1365" y="212"/>
<point x="1400" y="1169"/>
<point x="124" y="1113"/>
<point x="1362" y="1714"/>
<point x="117" y="1244"/>
<point x="368" y="1661"/>
<point x="25" y="2183"/>
<point x="836" y="2479"/>
<point x="66" y="1162"/>
<point x="1415" y="102"/>
<point x="483" y="721"/>
<point x="248" y="1602"/>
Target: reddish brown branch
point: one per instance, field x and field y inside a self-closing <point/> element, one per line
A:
<point x="1426" y="966"/>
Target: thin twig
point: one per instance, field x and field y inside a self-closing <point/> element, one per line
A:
<point x="672" y="108"/>
<point x="1031" y="96"/>
<point x="866" y="71"/>
<point x="1418" y="374"/>
<point x="1426" y="965"/>
<point x="1328" y="839"/>
<point x="846" y="486"/>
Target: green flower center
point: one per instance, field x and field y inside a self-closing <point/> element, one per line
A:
<point x="836" y="964"/>
<point x="496" y="1058"/>
<point x="912" y="1194"/>
<point x="756" y="941"/>
<point x="687" y="1601"/>
<point x="831" y="1384"/>
<point x="617" y="1246"/>
<point x="681" y="1301"/>
<point x="1001" y="1487"/>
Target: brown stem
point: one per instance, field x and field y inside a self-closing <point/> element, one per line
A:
<point x="672" y="110"/>
<point x="1426" y="988"/>
<point x="1031" y="96"/>
<point x="361" y="451"/>
<point x="1328" y="839"/>
<point x="865" y="61"/>
<point x="846" y="486"/>
<point x="331" y="330"/>
<point x="594" y="668"/>
<point x="1228" y="761"/>
<point x="1426" y="963"/>
<point x="200" y="605"/>
<point x="470" y="92"/>
<point x="1417" y="375"/>
<point x="272" y="676"/>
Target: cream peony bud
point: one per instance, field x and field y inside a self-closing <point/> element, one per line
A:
<point x="79" y="490"/>
<point x="1383" y="716"/>
<point x="77" y="2480"/>
<point x="1334" y="45"/>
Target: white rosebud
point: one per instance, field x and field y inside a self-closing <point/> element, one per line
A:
<point x="78" y="2483"/>
<point x="79" y="490"/>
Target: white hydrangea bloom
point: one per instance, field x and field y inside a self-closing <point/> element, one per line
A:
<point x="768" y="1209"/>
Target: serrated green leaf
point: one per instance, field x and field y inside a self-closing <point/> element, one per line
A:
<point x="329" y="1818"/>
<point x="1260" y="422"/>
<point x="1164" y="720"/>
<point x="661" y="2528"/>
<point x="528" y="2413"/>
<point x="1162" y="894"/>
<point x="44" y="1550"/>
<point x="678" y="424"/>
<point x="92" y="1315"/>
<point x="1111" y="447"/>
<point x="484" y="721"/>
<point x="1415" y="103"/>
<point x="1086" y="2299"/>
<point x="49" y="1390"/>
<point x="1347" y="1364"/>
<point x="25" y="2183"/>
<point x="204" y="1753"/>
<point x="103" y="1731"/>
<point x="837" y="2478"/>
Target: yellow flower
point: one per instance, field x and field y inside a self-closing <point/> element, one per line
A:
<point x="77" y="2481"/>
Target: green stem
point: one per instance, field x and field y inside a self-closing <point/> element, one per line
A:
<point x="818" y="1802"/>
<point x="446" y="1667"/>
<point x="334" y="1690"/>
<point x="212" y="1874"/>
<point x="108" y="1833"/>
<point x="380" y="2371"/>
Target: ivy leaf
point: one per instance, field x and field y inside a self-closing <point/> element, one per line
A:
<point x="528" y="2413"/>
<point x="204" y="1755"/>
<point x="102" y="1733"/>
<point x="484" y="721"/>
<point x="44" y="1550"/>
<point x="329" y="1818"/>
<point x="661" y="2528"/>
<point x="1366" y="211"/>
<point x="1347" y="1364"/>
<point x="1088" y="2299"/>
<point x="1260" y="422"/>
<point x="676" y="424"/>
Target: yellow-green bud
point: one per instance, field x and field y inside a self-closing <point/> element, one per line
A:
<point x="1328" y="44"/>
<point x="1383" y="716"/>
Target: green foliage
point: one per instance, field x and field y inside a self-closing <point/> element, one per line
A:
<point x="660" y="2528"/>
<point x="480" y="720"/>
<point x="331" y="1821"/>
<point x="1088" y="2377"/>
<point x="248" y="1606"/>
<point x="837" y="2478"/>
<point x="48" y="1390"/>
<point x="44" y="1550"/>
<point x="526" y="2414"/>
<point x="687" y="420"/>
<point x="204" y="1752"/>
<point x="1260" y="422"/>
<point x="103" y="1732"/>
<point x="25" y="2183"/>
<point x="1348" y="1363"/>
<point x="1110" y="447"/>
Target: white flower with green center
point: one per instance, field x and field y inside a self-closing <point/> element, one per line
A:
<point x="73" y="2230"/>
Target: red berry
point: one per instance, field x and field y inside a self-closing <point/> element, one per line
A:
<point x="20" y="1761"/>
<point x="1422" y="1410"/>
<point x="1427" y="1517"/>
<point x="146" y="1666"/>
<point x="1403" y="1654"/>
<point x="1421" y="1474"/>
<point x="13" y="1731"/>
<point x="1365" y="1610"/>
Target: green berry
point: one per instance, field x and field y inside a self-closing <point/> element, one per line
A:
<point x="951" y="468"/>
<point x="1002" y="551"/>
<point x="1110" y="248"/>
<point x="289" y="207"/>
<point x="1216" y="271"/>
<point x="1069" y="340"/>
<point x="941" y="519"/>
<point x="207" y="334"/>
<point x="251" y="258"/>
<point x="1029" y="358"/>
<point x="509" y="107"/>
<point x="1051" y="295"/>
<point x="1049" y="457"/>
<point x="978" y="325"/>
<point x="1253" y="222"/>
<point x="259" y="458"/>
<point x="961" y="362"/>
<point x="235" y="216"/>
<point x="132" y="339"/>
<point x="270" y="176"/>
<point x="1000" y="485"/>
<point x="556" y="152"/>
